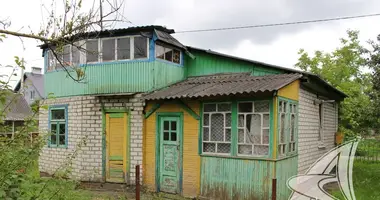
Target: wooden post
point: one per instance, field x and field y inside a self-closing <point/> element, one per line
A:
<point x="137" y="178"/>
<point x="274" y="188"/>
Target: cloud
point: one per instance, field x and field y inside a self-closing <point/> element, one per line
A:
<point x="195" y="14"/>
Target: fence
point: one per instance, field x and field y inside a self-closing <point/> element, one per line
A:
<point x="368" y="150"/>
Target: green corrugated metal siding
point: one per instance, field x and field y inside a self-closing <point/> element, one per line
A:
<point x="229" y="178"/>
<point x="205" y="64"/>
<point x="115" y="78"/>
<point x="284" y="170"/>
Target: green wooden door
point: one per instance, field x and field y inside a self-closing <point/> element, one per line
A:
<point x="170" y="154"/>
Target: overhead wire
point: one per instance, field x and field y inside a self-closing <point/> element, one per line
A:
<point x="279" y="24"/>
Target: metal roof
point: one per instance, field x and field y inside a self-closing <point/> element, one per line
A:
<point x="37" y="80"/>
<point x="223" y="84"/>
<point x="17" y="108"/>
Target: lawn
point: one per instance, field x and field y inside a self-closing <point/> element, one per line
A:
<point x="366" y="180"/>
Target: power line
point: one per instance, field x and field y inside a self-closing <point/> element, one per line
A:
<point x="279" y="24"/>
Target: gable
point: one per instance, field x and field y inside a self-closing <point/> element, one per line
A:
<point x="206" y="64"/>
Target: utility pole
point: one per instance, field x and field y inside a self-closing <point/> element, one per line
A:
<point x="101" y="15"/>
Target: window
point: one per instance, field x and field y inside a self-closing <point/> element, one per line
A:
<point x="108" y="50"/>
<point x="253" y="128"/>
<point x="92" y="51"/>
<point x="217" y="128"/>
<point x="168" y="54"/>
<point x="320" y="122"/>
<point x="123" y="48"/>
<point x="140" y="47"/>
<point x="66" y="55"/>
<point x="32" y="94"/>
<point x="75" y="53"/>
<point x="58" y="127"/>
<point x="51" y="61"/>
<point x="287" y="127"/>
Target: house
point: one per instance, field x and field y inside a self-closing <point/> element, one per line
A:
<point x="14" y="111"/>
<point x="33" y="84"/>
<point x="198" y="122"/>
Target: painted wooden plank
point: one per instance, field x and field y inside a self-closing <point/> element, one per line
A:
<point x="152" y="110"/>
<point x="185" y="107"/>
<point x="116" y="158"/>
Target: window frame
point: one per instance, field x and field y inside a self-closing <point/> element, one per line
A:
<point x="253" y="112"/>
<point x="58" y="122"/>
<point x="209" y="127"/>
<point x="234" y="130"/>
<point x="287" y="125"/>
<point x="170" y="47"/>
<point x="83" y="55"/>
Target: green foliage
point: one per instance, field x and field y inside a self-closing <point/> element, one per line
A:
<point x="366" y="181"/>
<point x="343" y="69"/>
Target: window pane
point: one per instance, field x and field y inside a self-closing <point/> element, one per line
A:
<point x="282" y="130"/>
<point x="173" y="136"/>
<point x="92" y="51"/>
<point x="224" y="148"/>
<point x="62" y="140"/>
<point x="217" y="127"/>
<point x="265" y="136"/>
<point x="53" y="139"/>
<point x="241" y="135"/>
<point x="245" y="107"/>
<point x="108" y="50"/>
<point x="266" y="120"/>
<point x="262" y="106"/>
<point x="245" y="149"/>
<point x="206" y="136"/>
<point x="66" y="55"/>
<point x="209" y="147"/>
<point x="241" y="121"/>
<point x="228" y="135"/>
<point x="166" y="125"/>
<point x="160" y="52"/>
<point x="209" y="107"/>
<point x="228" y="120"/>
<point x="292" y="127"/>
<point x="261" y="150"/>
<point x="52" y="60"/>
<point x="173" y="125"/>
<point x="58" y="114"/>
<point x="224" y="107"/>
<point x="123" y="48"/>
<point x="206" y="120"/>
<point x="176" y="56"/>
<point x="75" y="53"/>
<point x="140" y="47"/>
<point x="168" y="54"/>
<point x="166" y="136"/>
<point x="62" y="129"/>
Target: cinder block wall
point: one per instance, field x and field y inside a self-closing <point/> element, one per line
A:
<point x="308" y="129"/>
<point x="85" y="122"/>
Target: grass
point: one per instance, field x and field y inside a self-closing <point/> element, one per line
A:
<point x="366" y="180"/>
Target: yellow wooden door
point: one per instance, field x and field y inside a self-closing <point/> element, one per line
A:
<point x="117" y="149"/>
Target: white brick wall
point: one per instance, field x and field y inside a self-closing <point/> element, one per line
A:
<point x="85" y="121"/>
<point x="308" y="130"/>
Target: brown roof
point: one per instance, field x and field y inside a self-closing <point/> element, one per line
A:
<point x="17" y="109"/>
<point x="223" y="84"/>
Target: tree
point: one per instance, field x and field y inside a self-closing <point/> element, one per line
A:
<point x="344" y="68"/>
<point x="19" y="153"/>
<point x="373" y="61"/>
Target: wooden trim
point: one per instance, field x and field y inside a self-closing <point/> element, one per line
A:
<point x="152" y="110"/>
<point x="187" y="109"/>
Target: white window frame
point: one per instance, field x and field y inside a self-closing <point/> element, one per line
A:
<point x="172" y="48"/>
<point x="130" y="48"/>
<point x="321" y="110"/>
<point x="245" y="129"/>
<point x="224" y="129"/>
<point x="133" y="49"/>
<point x="101" y="49"/>
<point x="293" y="112"/>
<point x="85" y="53"/>
<point x="282" y="110"/>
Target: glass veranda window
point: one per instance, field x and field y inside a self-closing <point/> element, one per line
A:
<point x="108" y="50"/>
<point x="217" y="128"/>
<point x="253" y="128"/>
<point x="92" y="51"/>
<point x="168" y="54"/>
<point x="58" y="120"/>
<point x="123" y="48"/>
<point x="140" y="47"/>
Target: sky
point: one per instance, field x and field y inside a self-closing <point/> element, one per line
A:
<point x="275" y="45"/>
